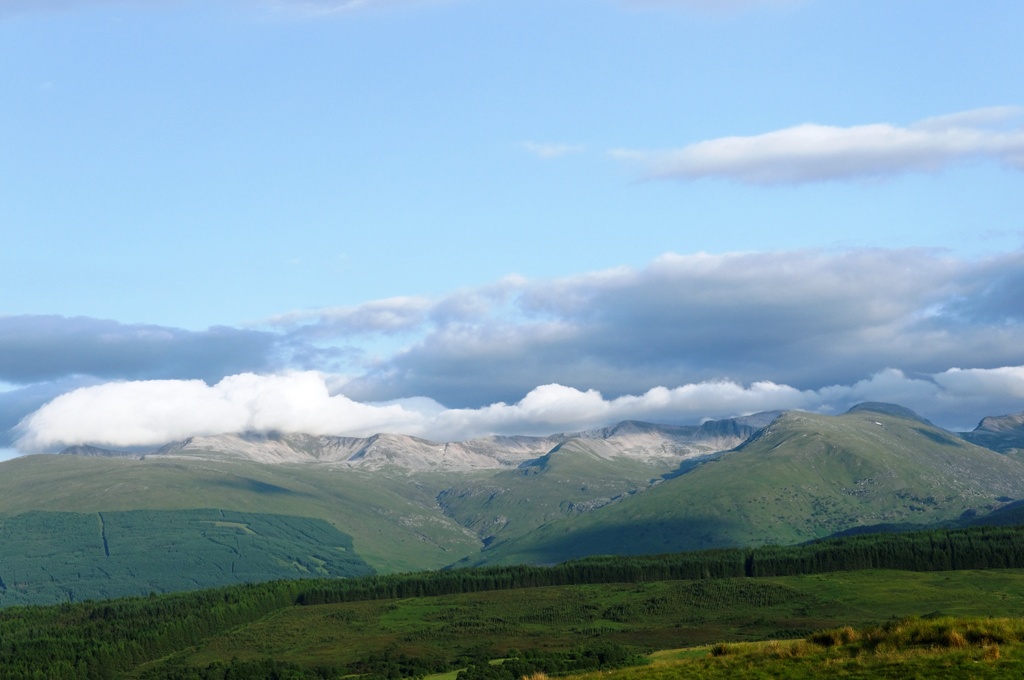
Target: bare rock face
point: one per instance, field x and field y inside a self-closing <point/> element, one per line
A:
<point x="999" y="433"/>
<point x="630" y="439"/>
<point x="1001" y="423"/>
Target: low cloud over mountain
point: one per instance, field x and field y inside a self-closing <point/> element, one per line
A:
<point x="685" y="338"/>
<point x="155" y="412"/>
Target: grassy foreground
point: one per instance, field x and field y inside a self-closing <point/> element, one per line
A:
<point x="458" y="629"/>
<point x="945" y="647"/>
<point x="598" y="613"/>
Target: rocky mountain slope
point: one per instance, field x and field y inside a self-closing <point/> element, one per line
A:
<point x="663" y="444"/>
<point x="999" y="433"/>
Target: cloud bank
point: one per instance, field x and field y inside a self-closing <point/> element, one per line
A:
<point x="156" y="412"/>
<point x="805" y="318"/>
<point x="34" y="348"/>
<point x="817" y="153"/>
<point x="685" y="338"/>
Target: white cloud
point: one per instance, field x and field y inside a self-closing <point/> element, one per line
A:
<point x="816" y="153"/>
<point x="150" y="413"/>
<point x="997" y="384"/>
<point x="552" y="150"/>
<point x="556" y="408"/>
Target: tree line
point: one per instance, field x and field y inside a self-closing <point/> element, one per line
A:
<point x="102" y="639"/>
<point x="934" y="550"/>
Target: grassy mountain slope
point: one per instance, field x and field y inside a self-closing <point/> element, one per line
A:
<point x="803" y="477"/>
<point x="408" y="504"/>
<point x="577" y="477"/>
<point x="53" y="557"/>
<point x="586" y="471"/>
<point x="393" y="520"/>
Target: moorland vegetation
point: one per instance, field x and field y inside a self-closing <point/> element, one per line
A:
<point x="588" y="614"/>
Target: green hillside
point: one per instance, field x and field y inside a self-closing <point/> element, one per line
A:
<point x="394" y="520"/>
<point x="573" y="479"/>
<point x="70" y="557"/>
<point x="803" y="477"/>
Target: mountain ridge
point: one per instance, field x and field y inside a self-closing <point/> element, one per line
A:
<point x="999" y="433"/>
<point x="628" y="438"/>
<point x="803" y="477"/>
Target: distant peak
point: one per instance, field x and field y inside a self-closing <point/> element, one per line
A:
<point x="888" y="409"/>
<point x="632" y="426"/>
<point x="1006" y="423"/>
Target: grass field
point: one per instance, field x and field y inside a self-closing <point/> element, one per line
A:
<point x="647" y="616"/>
<point x="964" y="647"/>
<point x="393" y="520"/>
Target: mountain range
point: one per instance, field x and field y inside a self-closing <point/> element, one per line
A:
<point x="641" y="441"/>
<point x="93" y="522"/>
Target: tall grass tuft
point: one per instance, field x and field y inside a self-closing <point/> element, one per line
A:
<point x="941" y="633"/>
<point x="835" y="637"/>
<point x="723" y="649"/>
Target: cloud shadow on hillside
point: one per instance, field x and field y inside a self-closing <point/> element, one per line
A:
<point x="634" y="538"/>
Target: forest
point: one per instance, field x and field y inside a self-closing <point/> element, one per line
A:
<point x="100" y="639"/>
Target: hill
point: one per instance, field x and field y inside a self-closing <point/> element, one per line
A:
<point x="54" y="557"/>
<point x="629" y="439"/>
<point x="803" y="477"/>
<point x="409" y="504"/>
<point x="393" y="519"/>
<point x="406" y="503"/>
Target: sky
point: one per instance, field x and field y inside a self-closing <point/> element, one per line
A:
<point x="455" y="218"/>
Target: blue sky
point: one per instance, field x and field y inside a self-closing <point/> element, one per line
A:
<point x="336" y="205"/>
